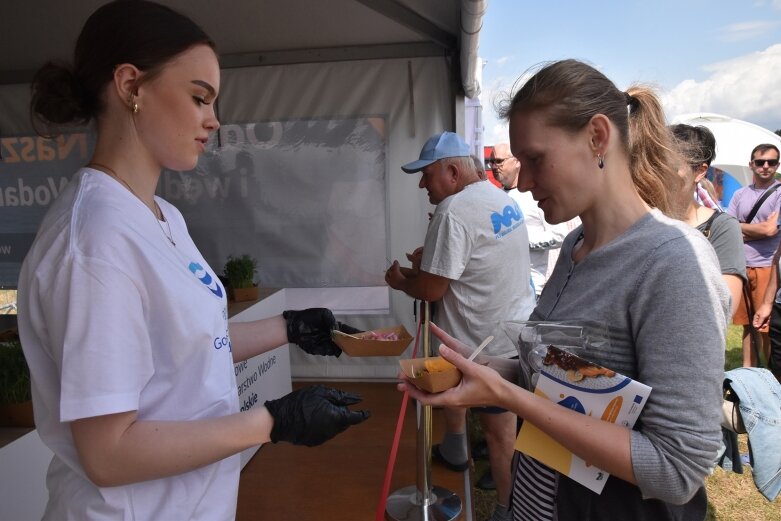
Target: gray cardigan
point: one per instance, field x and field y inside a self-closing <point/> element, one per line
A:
<point x="658" y="288"/>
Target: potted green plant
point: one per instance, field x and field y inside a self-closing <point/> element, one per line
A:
<point x="240" y="273"/>
<point x="16" y="408"/>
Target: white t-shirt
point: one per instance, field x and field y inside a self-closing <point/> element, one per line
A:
<point x="478" y="239"/>
<point x="114" y="318"/>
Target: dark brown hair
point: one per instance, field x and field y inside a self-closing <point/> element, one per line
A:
<point x="696" y="144"/>
<point x="143" y="33"/>
<point x="571" y="92"/>
<point x="764" y="147"/>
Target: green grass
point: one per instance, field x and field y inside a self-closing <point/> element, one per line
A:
<point x="733" y="357"/>
<point x="731" y="497"/>
<point x="734" y="497"/>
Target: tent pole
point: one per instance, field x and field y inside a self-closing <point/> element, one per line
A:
<point x="423" y="501"/>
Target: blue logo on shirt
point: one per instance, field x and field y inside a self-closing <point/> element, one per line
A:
<point x="507" y="221"/>
<point x="205" y="278"/>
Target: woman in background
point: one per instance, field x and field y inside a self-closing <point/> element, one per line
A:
<point x="697" y="147"/>
<point x="123" y="323"/>
<point x="591" y="150"/>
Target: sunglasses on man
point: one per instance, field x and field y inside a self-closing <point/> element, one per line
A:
<point x="491" y="161"/>
<point x="760" y="162"/>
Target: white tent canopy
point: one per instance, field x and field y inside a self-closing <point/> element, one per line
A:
<point x="268" y="32"/>
<point x="735" y="139"/>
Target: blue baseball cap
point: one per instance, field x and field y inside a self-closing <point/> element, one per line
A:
<point x="439" y="146"/>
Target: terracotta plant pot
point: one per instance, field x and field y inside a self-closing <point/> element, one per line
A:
<point x="245" y="294"/>
<point x="17" y="414"/>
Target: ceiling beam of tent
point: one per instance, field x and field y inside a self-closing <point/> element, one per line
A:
<point x="405" y="16"/>
<point x="294" y="56"/>
<point x="331" y="54"/>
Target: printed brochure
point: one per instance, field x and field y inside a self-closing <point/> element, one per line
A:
<point x="587" y="388"/>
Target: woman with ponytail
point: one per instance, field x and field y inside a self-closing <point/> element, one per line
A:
<point x="589" y="150"/>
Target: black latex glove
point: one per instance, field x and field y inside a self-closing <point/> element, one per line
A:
<point x="311" y="330"/>
<point x="313" y="415"/>
<point x="344" y="328"/>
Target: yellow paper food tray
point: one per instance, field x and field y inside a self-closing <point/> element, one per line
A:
<point x="433" y="382"/>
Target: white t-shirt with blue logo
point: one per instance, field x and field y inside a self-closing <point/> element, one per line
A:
<point x="115" y="318"/>
<point x="478" y="239"/>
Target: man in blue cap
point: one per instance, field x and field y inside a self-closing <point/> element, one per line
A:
<point x="475" y="261"/>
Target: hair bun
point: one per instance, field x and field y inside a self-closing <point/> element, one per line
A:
<point x="58" y="97"/>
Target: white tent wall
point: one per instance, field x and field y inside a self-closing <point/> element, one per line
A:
<point x="343" y="89"/>
<point x="327" y="90"/>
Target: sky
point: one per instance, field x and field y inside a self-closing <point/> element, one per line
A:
<point x="718" y="56"/>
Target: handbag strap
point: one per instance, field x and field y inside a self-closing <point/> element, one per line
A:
<point x="759" y="202"/>
<point x="709" y="223"/>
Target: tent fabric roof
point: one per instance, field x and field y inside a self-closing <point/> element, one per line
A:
<point x="250" y="32"/>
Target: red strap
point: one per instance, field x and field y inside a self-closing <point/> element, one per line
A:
<point x="380" y="516"/>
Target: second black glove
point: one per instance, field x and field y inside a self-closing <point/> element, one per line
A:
<point x="313" y="415"/>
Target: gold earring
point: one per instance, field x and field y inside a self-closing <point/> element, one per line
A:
<point x="131" y="101"/>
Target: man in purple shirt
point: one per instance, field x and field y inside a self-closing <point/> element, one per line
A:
<point x="760" y="237"/>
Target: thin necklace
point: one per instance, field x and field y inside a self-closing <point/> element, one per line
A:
<point x="157" y="213"/>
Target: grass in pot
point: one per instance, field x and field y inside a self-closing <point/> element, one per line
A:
<point x="240" y="273"/>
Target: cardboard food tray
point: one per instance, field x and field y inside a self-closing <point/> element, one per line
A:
<point x="432" y="382"/>
<point x="356" y="345"/>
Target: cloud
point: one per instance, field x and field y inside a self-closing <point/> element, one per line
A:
<point x="775" y="4"/>
<point x="498" y="133"/>
<point x="500" y="89"/>
<point x="743" y="88"/>
<point x="504" y="59"/>
<point x="747" y="30"/>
